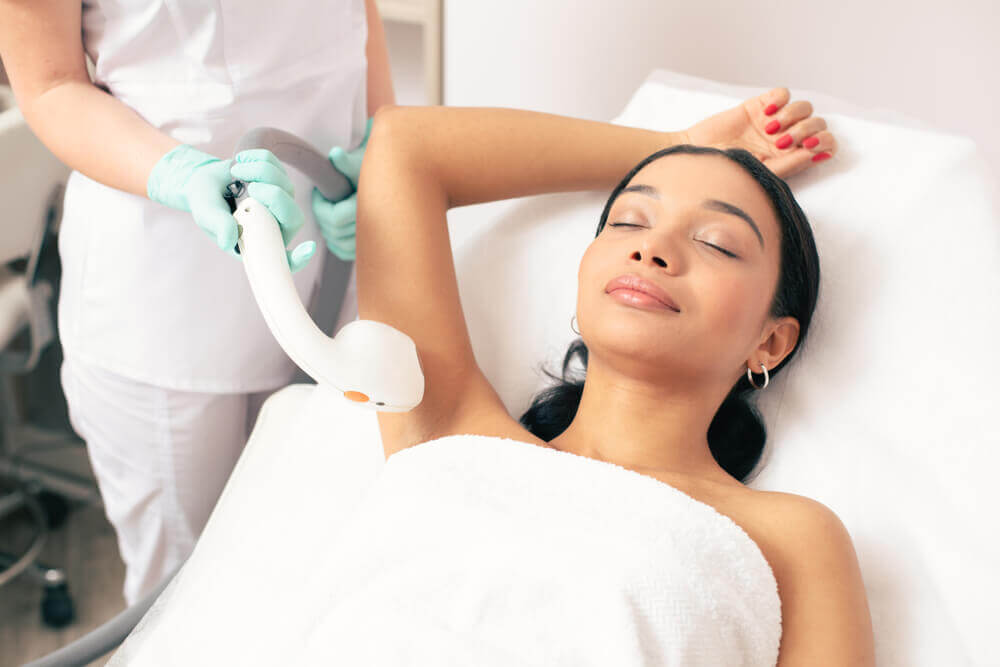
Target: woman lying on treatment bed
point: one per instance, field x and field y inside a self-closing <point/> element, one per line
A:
<point x="618" y="516"/>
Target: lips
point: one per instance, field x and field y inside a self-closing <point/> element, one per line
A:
<point x="634" y="282"/>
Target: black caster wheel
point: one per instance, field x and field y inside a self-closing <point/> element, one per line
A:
<point x="56" y="508"/>
<point x="57" y="607"/>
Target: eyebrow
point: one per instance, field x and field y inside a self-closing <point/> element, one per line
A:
<point x="711" y="204"/>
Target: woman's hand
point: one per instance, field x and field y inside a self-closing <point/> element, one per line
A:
<point x="785" y="136"/>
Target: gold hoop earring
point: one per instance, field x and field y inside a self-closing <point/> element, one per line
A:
<point x="766" y="377"/>
<point x="572" y="320"/>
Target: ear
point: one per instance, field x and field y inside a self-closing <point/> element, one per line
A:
<point x="779" y="340"/>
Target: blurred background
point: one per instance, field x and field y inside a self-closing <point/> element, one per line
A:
<point x="934" y="63"/>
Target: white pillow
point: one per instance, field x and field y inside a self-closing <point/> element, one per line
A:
<point x="885" y="416"/>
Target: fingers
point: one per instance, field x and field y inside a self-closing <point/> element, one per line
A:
<point x="788" y="115"/>
<point x="771" y="101"/>
<point x="343" y="250"/>
<point x="799" y="138"/>
<point x="342" y="220"/>
<point x="337" y="223"/>
<point x="299" y="257"/>
<point x="799" y="132"/>
<point x="348" y="163"/>
<point x="261" y="166"/>
<point x="823" y="145"/>
<point x="815" y="148"/>
<point x="335" y="219"/>
<point x="320" y="204"/>
<point x="282" y="207"/>
<point x="813" y="137"/>
<point x="368" y="131"/>
<point x="219" y="224"/>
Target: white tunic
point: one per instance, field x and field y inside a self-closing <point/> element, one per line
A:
<point x="145" y="292"/>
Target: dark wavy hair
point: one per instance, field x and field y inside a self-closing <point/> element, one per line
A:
<point x="736" y="435"/>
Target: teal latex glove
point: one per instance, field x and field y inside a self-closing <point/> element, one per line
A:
<point x="338" y="220"/>
<point x="190" y="180"/>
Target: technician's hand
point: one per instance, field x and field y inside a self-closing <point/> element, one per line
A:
<point x="268" y="182"/>
<point x="190" y="180"/>
<point x="338" y="220"/>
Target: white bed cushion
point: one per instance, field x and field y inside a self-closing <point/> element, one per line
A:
<point x="886" y="416"/>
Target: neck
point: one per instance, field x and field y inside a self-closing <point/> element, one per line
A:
<point x="646" y="427"/>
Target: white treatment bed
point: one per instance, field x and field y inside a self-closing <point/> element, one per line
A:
<point x="886" y="416"/>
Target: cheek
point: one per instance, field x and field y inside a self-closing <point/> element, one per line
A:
<point x="733" y="306"/>
<point x="587" y="271"/>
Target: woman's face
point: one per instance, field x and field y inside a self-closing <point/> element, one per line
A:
<point x="677" y="226"/>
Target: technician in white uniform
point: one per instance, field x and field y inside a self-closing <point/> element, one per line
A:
<point x="167" y="358"/>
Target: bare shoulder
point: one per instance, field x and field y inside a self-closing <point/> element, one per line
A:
<point x="788" y="527"/>
<point x="825" y="614"/>
<point x="790" y="513"/>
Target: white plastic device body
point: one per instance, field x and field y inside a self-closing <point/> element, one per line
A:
<point x="368" y="362"/>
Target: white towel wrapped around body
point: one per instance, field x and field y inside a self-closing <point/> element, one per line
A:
<point x="479" y="550"/>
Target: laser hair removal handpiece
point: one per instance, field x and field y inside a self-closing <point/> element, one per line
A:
<point x="368" y="362"/>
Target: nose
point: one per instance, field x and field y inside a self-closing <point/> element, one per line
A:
<point x="658" y="251"/>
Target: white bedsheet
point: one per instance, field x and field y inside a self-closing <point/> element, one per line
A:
<point x="241" y="598"/>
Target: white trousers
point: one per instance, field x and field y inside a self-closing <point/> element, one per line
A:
<point x="161" y="458"/>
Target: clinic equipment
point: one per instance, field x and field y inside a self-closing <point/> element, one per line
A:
<point x="368" y="362"/>
<point x="31" y="184"/>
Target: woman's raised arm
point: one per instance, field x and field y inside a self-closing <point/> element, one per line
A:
<point x="422" y="161"/>
<point x="473" y="155"/>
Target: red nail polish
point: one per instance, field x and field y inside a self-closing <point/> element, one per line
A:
<point x="772" y="127"/>
<point x="810" y="142"/>
<point x="819" y="157"/>
<point x="771" y="108"/>
<point x="784" y="142"/>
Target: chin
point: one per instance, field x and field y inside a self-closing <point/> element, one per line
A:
<point x="636" y="334"/>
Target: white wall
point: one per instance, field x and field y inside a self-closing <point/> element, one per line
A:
<point x="935" y="61"/>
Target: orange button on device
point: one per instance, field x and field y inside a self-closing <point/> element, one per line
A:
<point x="355" y="396"/>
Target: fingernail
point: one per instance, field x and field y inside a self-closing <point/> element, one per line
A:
<point x="810" y="142"/>
<point x="784" y="142"/>
<point x="771" y="108"/>
<point x="819" y="157"/>
<point x="772" y="127"/>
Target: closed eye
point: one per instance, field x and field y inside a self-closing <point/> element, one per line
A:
<point x="722" y="250"/>
<point x="711" y="245"/>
